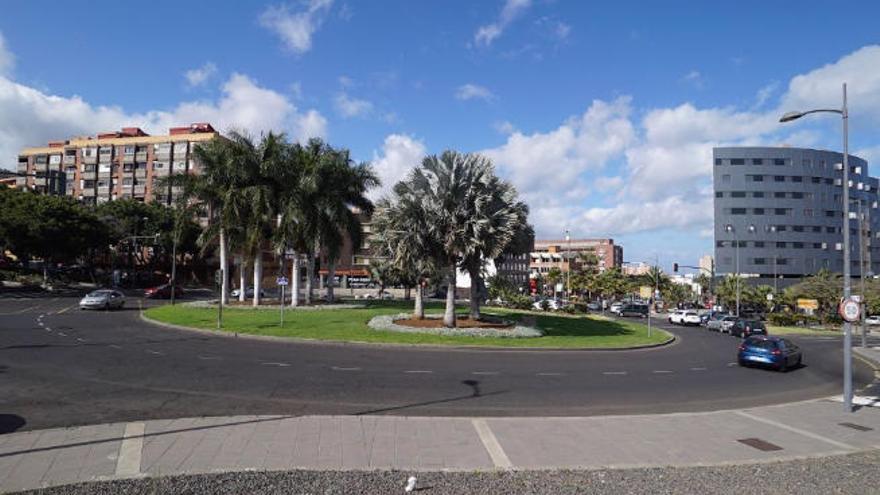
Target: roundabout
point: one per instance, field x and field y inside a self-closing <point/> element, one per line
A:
<point x="62" y="367"/>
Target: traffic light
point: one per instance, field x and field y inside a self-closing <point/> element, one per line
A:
<point x="675" y="267"/>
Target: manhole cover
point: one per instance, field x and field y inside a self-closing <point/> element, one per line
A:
<point x="856" y="427"/>
<point x="757" y="443"/>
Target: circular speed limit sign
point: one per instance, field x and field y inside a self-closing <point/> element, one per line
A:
<point x="850" y="310"/>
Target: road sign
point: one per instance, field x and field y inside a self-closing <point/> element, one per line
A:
<point x="850" y="310"/>
<point x="645" y="292"/>
<point x="808" y="304"/>
<point x="281" y="281"/>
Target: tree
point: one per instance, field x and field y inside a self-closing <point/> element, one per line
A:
<point x="553" y="277"/>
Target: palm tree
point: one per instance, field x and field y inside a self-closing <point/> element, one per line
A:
<point x="292" y="180"/>
<point x="449" y="189"/>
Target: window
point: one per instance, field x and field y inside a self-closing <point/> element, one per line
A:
<point x="718" y="161"/>
<point x="727" y="260"/>
<point x="829" y="213"/>
<point x="105" y="150"/>
<point x="798" y="228"/>
<point x="725" y="179"/>
<point x="779" y="178"/>
<point x="781" y="261"/>
<point x="757" y="161"/>
<point x="779" y="194"/>
<point x="759" y="244"/>
<point x="808" y="162"/>
<point x="737" y="161"/>
<point x="830" y="230"/>
<point x="755" y="178"/>
<point x="758" y="194"/>
<point x="758" y="211"/>
<point x="781" y="228"/>
<point x="41" y="159"/>
<point x="817" y="229"/>
<point x="89" y="151"/>
<point x="127" y="181"/>
<point x="718" y="194"/>
<point x="737" y="211"/>
<point x="742" y="244"/>
<point x="54" y="159"/>
<point x="88" y="184"/>
<point x="759" y="261"/>
<point x="129" y="150"/>
<point x="817" y="245"/>
<point x="780" y="244"/>
<point x="808" y="212"/>
<point x="127" y="167"/>
<point x="816" y="180"/>
<point x="828" y="181"/>
<point x="719" y="244"/>
<point x="89" y="167"/>
<point x="738" y="194"/>
<point x="807" y="195"/>
<point x="797" y="178"/>
<point x="162" y="148"/>
<point x="778" y="161"/>
<point x="781" y="211"/>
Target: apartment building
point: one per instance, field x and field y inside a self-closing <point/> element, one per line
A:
<point x="123" y="164"/>
<point x="567" y="255"/>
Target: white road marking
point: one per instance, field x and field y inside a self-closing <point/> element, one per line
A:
<point x="698" y="369"/>
<point x="661" y="372"/>
<point x="62" y="334"/>
<point x="418" y="371"/>
<point x="550" y="374"/>
<point x="128" y="463"/>
<point x="799" y="431"/>
<point x="280" y="365"/>
<point x="338" y="368"/>
<point x="40" y="323"/>
<point x="64" y="310"/>
<point x="155" y="353"/>
<point x="614" y="372"/>
<point x="499" y="458"/>
<point x="730" y="365"/>
<point x="115" y="346"/>
<point x="80" y="340"/>
<point x="209" y="357"/>
<point x="484" y="372"/>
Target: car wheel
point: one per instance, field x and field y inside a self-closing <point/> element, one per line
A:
<point x="742" y="363"/>
<point x="783" y="367"/>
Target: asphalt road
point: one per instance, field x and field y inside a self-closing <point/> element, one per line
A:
<point x="60" y="366"/>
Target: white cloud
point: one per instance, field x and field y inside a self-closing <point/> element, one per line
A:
<point x="348" y="106"/>
<point x="504" y="127"/>
<point x="608" y="184"/>
<point x="296" y="28"/>
<point x="694" y="78"/>
<point x="486" y="34"/>
<point x="562" y="30"/>
<point x="474" y="91"/>
<point x="675" y="211"/>
<point x="764" y="94"/>
<point x="822" y="87"/>
<point x="7" y="59"/>
<point x="200" y="75"/>
<point x="400" y="154"/>
<point x="30" y="117"/>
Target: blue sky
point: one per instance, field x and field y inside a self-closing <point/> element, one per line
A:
<point x="602" y="114"/>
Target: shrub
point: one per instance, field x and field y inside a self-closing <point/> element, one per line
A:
<point x="519" y="301"/>
<point x="545" y="304"/>
<point x="568" y="308"/>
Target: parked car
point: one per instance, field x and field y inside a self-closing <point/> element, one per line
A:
<point x="675" y="316"/>
<point x="722" y="324"/>
<point x="616" y="307"/>
<point x="163" y="292"/>
<point x="691" y="318"/>
<point x="552" y="304"/>
<point x="594" y="306"/>
<point x="747" y="328"/>
<point x="872" y="320"/>
<point x="639" y="310"/>
<point x="102" y="299"/>
<point x="249" y="292"/>
<point x="765" y="350"/>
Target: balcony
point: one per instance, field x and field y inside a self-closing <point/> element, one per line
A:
<point x="140" y="190"/>
<point x="89" y="193"/>
<point x="90" y="159"/>
<point x="128" y="158"/>
<point x="104" y="191"/>
<point x="40" y="181"/>
<point x="140" y="156"/>
<point x="41" y="167"/>
<point x="141" y="173"/>
<point x="70" y="159"/>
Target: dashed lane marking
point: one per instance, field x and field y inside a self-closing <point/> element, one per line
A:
<point x="280" y="365"/>
<point x="614" y="372"/>
<point x="661" y="372"/>
<point x="155" y="353"/>
<point x="64" y="310"/>
<point x="115" y="346"/>
<point x="339" y="368"/>
<point x="698" y="368"/>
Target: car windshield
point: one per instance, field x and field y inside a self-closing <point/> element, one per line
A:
<point x="100" y="293"/>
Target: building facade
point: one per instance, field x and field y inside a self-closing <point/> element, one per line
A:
<point x="566" y="255"/>
<point x="779" y="212"/>
<point x="122" y="164"/>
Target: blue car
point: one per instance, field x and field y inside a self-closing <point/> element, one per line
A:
<point x="764" y="350"/>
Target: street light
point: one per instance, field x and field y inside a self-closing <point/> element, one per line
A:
<point x="847" y="327"/>
<point x="568" y="271"/>
<point x="731" y="229"/>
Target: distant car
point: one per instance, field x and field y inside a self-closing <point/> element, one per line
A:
<point x="102" y="299"/>
<point x="747" y="328"/>
<point x="639" y="310"/>
<point x="721" y="323"/>
<point x="691" y="318"/>
<point x="163" y="292"/>
<point x="551" y="304"/>
<point x="616" y="307"/>
<point x="249" y="292"/>
<point x="594" y="306"/>
<point x="775" y="352"/>
<point x="675" y="317"/>
<point x="872" y="320"/>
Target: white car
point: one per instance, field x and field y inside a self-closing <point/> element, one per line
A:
<point x="872" y="320"/>
<point x="552" y="304"/>
<point x="616" y="308"/>
<point x="676" y="317"/>
<point x="691" y="318"/>
<point x="103" y="299"/>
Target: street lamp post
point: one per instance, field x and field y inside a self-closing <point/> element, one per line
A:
<point x="568" y="270"/>
<point x="847" y="289"/>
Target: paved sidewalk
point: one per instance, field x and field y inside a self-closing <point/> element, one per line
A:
<point x="37" y="459"/>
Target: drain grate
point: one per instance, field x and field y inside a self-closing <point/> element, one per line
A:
<point x="856" y="427"/>
<point x="757" y="443"/>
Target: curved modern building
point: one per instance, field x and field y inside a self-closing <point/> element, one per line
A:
<point x="779" y="213"/>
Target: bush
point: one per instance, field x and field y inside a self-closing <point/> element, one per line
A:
<point x="545" y="305"/>
<point x="793" y="319"/>
<point x="518" y="301"/>
<point x="568" y="308"/>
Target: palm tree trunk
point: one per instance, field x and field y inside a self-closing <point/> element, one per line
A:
<point x="475" y="295"/>
<point x="242" y="277"/>
<point x="224" y="268"/>
<point x="294" y="281"/>
<point x="258" y="276"/>
<point x="419" y="310"/>
<point x="331" y="279"/>
<point x="407" y="293"/>
<point x="449" y="315"/>
<point x="310" y="274"/>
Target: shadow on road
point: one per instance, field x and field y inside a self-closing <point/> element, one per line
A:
<point x="10" y="423"/>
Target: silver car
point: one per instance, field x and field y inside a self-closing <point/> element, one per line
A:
<point x="103" y="299"/>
